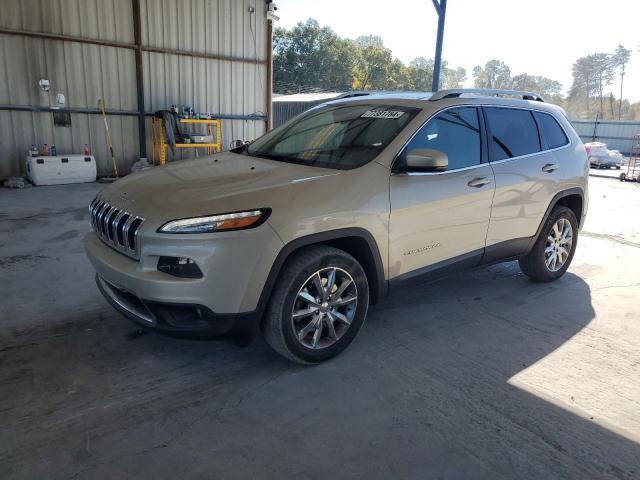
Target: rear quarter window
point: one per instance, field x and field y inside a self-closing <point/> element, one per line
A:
<point x="550" y="130"/>
<point x="513" y="132"/>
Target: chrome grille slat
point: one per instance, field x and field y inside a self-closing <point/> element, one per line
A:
<point x="110" y="219"/>
<point x="94" y="216"/>
<point x="114" y="226"/>
<point x="106" y="220"/>
<point x="125" y="231"/>
<point x="103" y="219"/>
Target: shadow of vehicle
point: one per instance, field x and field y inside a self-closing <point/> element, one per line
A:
<point x="425" y="392"/>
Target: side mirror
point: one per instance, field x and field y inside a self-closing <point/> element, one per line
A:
<point x="426" y="160"/>
<point x="238" y="144"/>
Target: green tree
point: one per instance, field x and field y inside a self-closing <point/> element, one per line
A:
<point x="495" y="74"/>
<point x="604" y="69"/>
<point x="310" y="57"/>
<point x="620" y="59"/>
<point x="550" y="90"/>
<point x="398" y="77"/>
<point x="452" y="77"/>
<point x="421" y="74"/>
<point x="585" y="84"/>
<point x="364" y="41"/>
<point x="313" y="58"/>
<point x="373" y="64"/>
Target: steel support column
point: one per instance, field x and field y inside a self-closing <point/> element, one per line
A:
<point x="441" y="9"/>
<point x="269" y="92"/>
<point x="137" y="36"/>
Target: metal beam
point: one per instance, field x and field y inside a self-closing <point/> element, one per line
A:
<point x="128" y="113"/>
<point x="436" y="5"/>
<point x="88" y="111"/>
<point x="441" y="10"/>
<point x="269" y="92"/>
<point x="209" y="56"/>
<point x="137" y="35"/>
<point x="129" y="46"/>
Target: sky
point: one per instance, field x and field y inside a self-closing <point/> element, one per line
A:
<point x="541" y="37"/>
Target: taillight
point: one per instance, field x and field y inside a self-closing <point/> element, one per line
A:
<point x="588" y="149"/>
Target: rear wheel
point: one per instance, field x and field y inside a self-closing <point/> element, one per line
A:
<point x="318" y="306"/>
<point x="553" y="251"/>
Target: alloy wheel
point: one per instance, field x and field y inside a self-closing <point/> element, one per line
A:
<point x="558" y="245"/>
<point x="324" y="308"/>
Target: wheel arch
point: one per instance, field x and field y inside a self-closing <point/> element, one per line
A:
<point x="572" y="198"/>
<point x="357" y="242"/>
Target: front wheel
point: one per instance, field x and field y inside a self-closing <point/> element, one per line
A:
<point x="554" y="248"/>
<point x="318" y="306"/>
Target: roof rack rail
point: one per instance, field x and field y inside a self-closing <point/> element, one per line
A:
<point x="485" y="92"/>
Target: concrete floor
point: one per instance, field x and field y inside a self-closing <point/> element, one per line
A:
<point x="484" y="375"/>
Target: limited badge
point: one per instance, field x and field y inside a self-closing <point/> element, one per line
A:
<point x="382" y="114"/>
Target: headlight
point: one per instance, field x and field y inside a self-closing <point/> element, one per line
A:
<point x="217" y="223"/>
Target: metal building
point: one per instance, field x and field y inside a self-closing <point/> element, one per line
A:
<point x="617" y="134"/>
<point x="140" y="56"/>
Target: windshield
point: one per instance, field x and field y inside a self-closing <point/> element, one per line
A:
<point x="339" y="136"/>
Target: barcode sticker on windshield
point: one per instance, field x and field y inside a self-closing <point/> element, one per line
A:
<point x="382" y="114"/>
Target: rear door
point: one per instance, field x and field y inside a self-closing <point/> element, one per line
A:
<point x="527" y="175"/>
<point x="438" y="217"/>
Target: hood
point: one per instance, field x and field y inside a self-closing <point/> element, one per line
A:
<point x="220" y="183"/>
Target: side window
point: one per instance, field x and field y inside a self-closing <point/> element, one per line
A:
<point x="455" y="132"/>
<point x="513" y="132"/>
<point x="550" y="130"/>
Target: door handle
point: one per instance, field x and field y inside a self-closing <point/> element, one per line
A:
<point x="479" y="182"/>
<point x="549" y="167"/>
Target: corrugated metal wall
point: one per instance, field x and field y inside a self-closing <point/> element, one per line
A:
<point x="617" y="134"/>
<point x="222" y="27"/>
<point x="85" y="72"/>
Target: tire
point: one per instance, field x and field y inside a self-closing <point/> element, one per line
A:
<point x="534" y="265"/>
<point x="623" y="177"/>
<point x="297" y="283"/>
<point x="617" y="168"/>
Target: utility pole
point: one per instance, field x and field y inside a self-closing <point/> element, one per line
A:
<point x="441" y="10"/>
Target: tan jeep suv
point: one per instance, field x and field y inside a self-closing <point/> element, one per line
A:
<point x="300" y="231"/>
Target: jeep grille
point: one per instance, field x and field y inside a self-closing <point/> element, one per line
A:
<point x="116" y="227"/>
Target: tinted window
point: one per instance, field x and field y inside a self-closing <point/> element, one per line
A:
<point x="550" y="131"/>
<point x="338" y="136"/>
<point x="514" y="133"/>
<point x="455" y="132"/>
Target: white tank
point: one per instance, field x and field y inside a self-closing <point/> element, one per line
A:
<point x="61" y="169"/>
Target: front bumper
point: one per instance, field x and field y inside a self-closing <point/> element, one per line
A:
<point x="181" y="319"/>
<point x="235" y="266"/>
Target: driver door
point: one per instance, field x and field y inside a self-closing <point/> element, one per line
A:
<point x="439" y="218"/>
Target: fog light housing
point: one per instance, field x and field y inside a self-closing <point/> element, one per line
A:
<point x="182" y="267"/>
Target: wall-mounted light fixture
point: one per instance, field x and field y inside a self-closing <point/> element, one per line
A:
<point x="45" y="84"/>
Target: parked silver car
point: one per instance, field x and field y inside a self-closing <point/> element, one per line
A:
<point x="600" y="156"/>
<point x="299" y="232"/>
